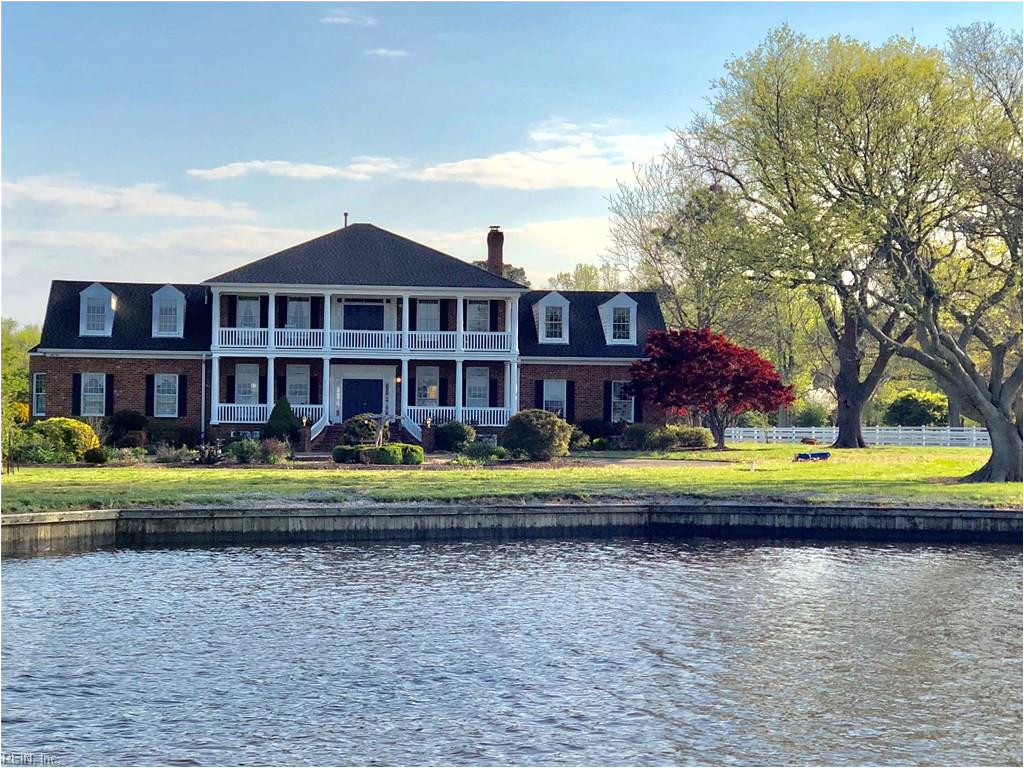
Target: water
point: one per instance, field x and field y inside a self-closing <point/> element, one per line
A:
<point x="613" y="652"/>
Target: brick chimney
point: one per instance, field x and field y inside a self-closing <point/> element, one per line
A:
<point x="495" y="244"/>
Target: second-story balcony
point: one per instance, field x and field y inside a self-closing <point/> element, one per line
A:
<point x="315" y="339"/>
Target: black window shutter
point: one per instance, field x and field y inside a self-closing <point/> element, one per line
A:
<point x="76" y="394"/>
<point x="149" y="394"/>
<point x="608" y="401"/>
<point x="570" y="401"/>
<point x="315" y="392"/>
<point x="495" y="309"/>
<point x="281" y="385"/>
<point x="412" y="314"/>
<point x="264" y="310"/>
<point x="492" y="394"/>
<point x="280" y="311"/>
<point x="229" y="387"/>
<point x="232" y="311"/>
<point x="108" y="407"/>
<point x="316" y="312"/>
<point x="443" y="309"/>
<point x="411" y="386"/>
<point x="262" y="394"/>
<point x="538" y="393"/>
<point x="638" y="408"/>
<point x="442" y="394"/>
<point x="182" y="395"/>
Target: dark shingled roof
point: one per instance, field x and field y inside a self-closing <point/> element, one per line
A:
<point x="586" y="335"/>
<point x="362" y="254"/>
<point x="133" y="318"/>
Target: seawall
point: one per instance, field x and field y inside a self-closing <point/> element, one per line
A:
<point x="64" y="532"/>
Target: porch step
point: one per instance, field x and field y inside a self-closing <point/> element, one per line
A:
<point x="327" y="439"/>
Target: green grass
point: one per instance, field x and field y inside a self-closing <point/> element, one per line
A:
<point x="869" y="476"/>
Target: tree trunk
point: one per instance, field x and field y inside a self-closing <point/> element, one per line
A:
<point x="848" y="420"/>
<point x="851" y="394"/>
<point x="956" y="418"/>
<point x="1004" y="465"/>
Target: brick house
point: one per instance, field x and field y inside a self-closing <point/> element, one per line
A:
<point x="357" y="320"/>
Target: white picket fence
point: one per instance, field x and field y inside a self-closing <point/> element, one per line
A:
<point x="946" y="437"/>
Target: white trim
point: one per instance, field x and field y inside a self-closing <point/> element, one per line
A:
<point x="341" y="371"/>
<point x="144" y="353"/>
<point x="607" y="313"/>
<point x="170" y="294"/>
<point x="552" y="299"/>
<point x="34" y="393"/>
<point x="579" y="360"/>
<point x="100" y="292"/>
<point x="383" y="290"/>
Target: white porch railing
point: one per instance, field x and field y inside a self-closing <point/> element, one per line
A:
<point x="486" y="341"/>
<point x="437" y="414"/>
<point x="298" y="338"/>
<point x="243" y="337"/>
<point x="384" y="340"/>
<point x="441" y="341"/>
<point x="311" y="412"/>
<point x="239" y="413"/>
<point x="485" y="417"/>
<point x="947" y="437"/>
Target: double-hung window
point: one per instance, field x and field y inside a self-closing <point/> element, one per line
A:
<point x="427" y="385"/>
<point x="95" y="315"/>
<point x="165" y="395"/>
<point x="248" y="314"/>
<point x="297" y="384"/>
<point x="428" y="315"/>
<point x="622" y="323"/>
<point x="478" y="316"/>
<point x="554" y="396"/>
<point x="298" y="312"/>
<point x="478" y="387"/>
<point x="553" y="319"/>
<point x="247" y="383"/>
<point x="38" y="394"/>
<point x="94" y="394"/>
<point x="167" y="317"/>
<point x="622" y="404"/>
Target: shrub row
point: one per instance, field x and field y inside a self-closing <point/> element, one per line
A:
<point x="389" y="453"/>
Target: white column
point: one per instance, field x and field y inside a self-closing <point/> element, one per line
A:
<point x="270" y="382"/>
<point x="325" y="384"/>
<point x="458" y="390"/>
<point x="215" y="389"/>
<point x="271" y="320"/>
<point x="514" y="330"/>
<point x="514" y="400"/>
<point x="327" y="321"/>
<point x="216" y="318"/>
<point x="506" y="388"/>
<point x="404" y="399"/>
<point x="460" y="322"/>
<point x="405" y="322"/>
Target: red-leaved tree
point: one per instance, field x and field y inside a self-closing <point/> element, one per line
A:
<point x="704" y="372"/>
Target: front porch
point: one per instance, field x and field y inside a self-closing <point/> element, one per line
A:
<point x="328" y="391"/>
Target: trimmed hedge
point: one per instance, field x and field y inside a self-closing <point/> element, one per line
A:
<point x="96" y="456"/>
<point x="678" y="436"/>
<point x="411" y="454"/>
<point x="454" y="435"/>
<point x="542" y="435"/>
<point x="634" y="437"/>
<point x="387" y="454"/>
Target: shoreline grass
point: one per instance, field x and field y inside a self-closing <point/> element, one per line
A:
<point x="875" y="476"/>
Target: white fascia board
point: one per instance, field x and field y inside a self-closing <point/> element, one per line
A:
<point x="143" y="353"/>
<point x="372" y="290"/>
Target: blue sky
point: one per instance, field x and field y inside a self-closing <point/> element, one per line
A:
<point x="171" y="142"/>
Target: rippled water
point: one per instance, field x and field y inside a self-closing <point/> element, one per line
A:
<point x="613" y="652"/>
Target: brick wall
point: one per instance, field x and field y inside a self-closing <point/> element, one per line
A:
<point x="129" y="382"/>
<point x="590" y="380"/>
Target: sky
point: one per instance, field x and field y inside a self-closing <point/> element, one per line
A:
<point x="169" y="142"/>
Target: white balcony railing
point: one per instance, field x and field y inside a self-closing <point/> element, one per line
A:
<point x="243" y="337"/>
<point x="486" y="341"/>
<point x="383" y="340"/>
<point x="312" y="413"/>
<point x="298" y="338"/>
<point x="485" y="417"/>
<point x="240" y="413"/>
<point x="439" y="341"/>
<point x="437" y="414"/>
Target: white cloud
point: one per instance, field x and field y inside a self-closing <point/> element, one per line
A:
<point x="341" y="16"/>
<point x="359" y="169"/>
<point x="387" y="53"/>
<point x="58" y="194"/>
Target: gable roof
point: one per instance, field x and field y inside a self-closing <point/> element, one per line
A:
<point x="362" y="254"/>
<point x="586" y="332"/>
<point x="133" y="318"/>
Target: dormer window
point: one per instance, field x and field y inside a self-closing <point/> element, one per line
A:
<point x="168" y="312"/>
<point x="618" y="318"/>
<point x="551" y="315"/>
<point x="96" y="311"/>
<point x="553" y="320"/>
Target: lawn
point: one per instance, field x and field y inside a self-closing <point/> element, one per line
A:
<point x="870" y="476"/>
